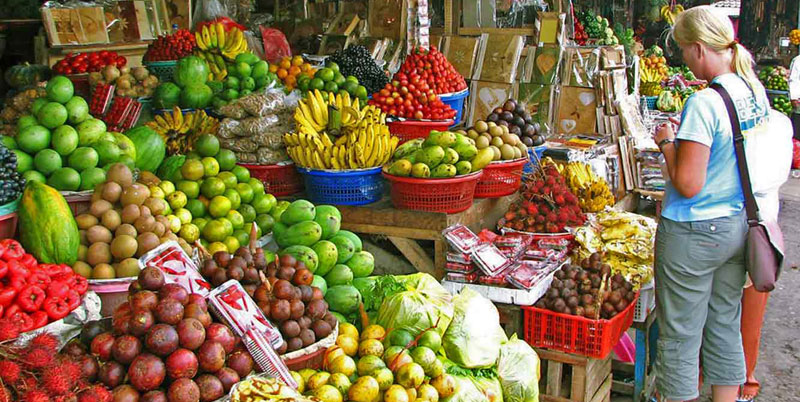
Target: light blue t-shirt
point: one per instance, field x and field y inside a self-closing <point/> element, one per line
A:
<point x="705" y="120"/>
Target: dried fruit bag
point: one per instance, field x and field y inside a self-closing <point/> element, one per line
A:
<point x="474" y="337"/>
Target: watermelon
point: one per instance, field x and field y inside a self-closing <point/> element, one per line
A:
<point x="170" y="167"/>
<point x="166" y="96"/>
<point x="190" y="70"/>
<point x="196" y="96"/>
<point x="150" y="148"/>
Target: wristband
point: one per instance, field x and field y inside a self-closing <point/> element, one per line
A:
<point x="664" y="142"/>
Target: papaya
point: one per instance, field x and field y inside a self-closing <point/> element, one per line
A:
<point x="340" y="275"/>
<point x="298" y="211"/>
<point x="361" y="263"/>
<point x="302" y="253"/>
<point x="330" y="219"/>
<point x="47" y="228"/>
<point x="300" y="234"/>
<point x="357" y="246"/>
<point x="343" y="299"/>
<point x="327" y="253"/>
<point x="344" y="247"/>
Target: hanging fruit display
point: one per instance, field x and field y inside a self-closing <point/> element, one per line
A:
<point x="592" y="190"/>
<point x="215" y="44"/>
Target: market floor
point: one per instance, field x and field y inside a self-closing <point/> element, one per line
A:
<point x="778" y="367"/>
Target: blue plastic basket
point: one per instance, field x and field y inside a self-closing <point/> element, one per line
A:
<point x="349" y="187"/>
<point x="532" y="161"/>
<point x="651" y="102"/>
<point x="455" y="101"/>
<point x="162" y="69"/>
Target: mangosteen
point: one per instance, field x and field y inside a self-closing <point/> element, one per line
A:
<point x="518" y="121"/>
<point x="493" y="117"/>
<point x="507" y="116"/>
<point x="514" y="130"/>
<point x="510" y="105"/>
<point x="527" y="141"/>
<point x="520" y="109"/>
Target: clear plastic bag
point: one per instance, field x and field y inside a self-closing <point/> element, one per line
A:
<point x="207" y="10"/>
<point x="267" y="156"/>
<point x="229" y="128"/>
<point x="246" y="157"/>
<point x="466" y="391"/>
<point x="518" y="368"/>
<point x="239" y="145"/>
<point x="474" y="336"/>
<point x="253" y="126"/>
<point x="424" y="305"/>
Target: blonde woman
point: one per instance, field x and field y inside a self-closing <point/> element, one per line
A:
<point x="700" y="269"/>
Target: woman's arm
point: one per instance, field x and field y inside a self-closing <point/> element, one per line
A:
<point x="686" y="164"/>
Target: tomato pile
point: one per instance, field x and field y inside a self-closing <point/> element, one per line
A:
<point x="432" y="67"/>
<point x="171" y="47"/>
<point x="79" y="63"/>
<point x="412" y="99"/>
<point x="32" y="294"/>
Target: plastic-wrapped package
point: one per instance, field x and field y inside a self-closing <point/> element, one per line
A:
<point x="229" y="128"/>
<point x="490" y="388"/>
<point x="274" y="44"/>
<point x="474" y="336"/>
<point x="255" y="125"/>
<point x="270" y="140"/>
<point x="239" y="144"/>
<point x="424" y="305"/>
<point x="208" y="10"/>
<point x="233" y="111"/>
<point x="466" y="391"/>
<point x="269" y="156"/>
<point x="246" y="157"/>
<point x="518" y="368"/>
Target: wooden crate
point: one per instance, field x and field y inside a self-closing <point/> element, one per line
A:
<point x="510" y="319"/>
<point x="574" y="378"/>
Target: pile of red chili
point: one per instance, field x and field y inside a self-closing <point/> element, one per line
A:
<point x="32" y="294"/>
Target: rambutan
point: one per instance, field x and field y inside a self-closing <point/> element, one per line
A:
<point x="68" y="397"/>
<point x="35" y="395"/>
<point x="551" y="228"/>
<point x="550" y="181"/>
<point x="563" y="217"/>
<point x="8" y="330"/>
<point x="71" y="370"/>
<point x="38" y="357"/>
<point x="97" y="393"/>
<point x="5" y="395"/>
<point x="510" y="216"/>
<point x="55" y="381"/>
<point x="551" y="217"/>
<point x="9" y="371"/>
<point x="540" y="218"/>
<point x="46" y="340"/>
<point x="533" y="210"/>
<point x="545" y="190"/>
<point x="559" y="199"/>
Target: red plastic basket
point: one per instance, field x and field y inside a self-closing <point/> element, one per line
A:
<point x="408" y="130"/>
<point x="500" y="178"/>
<point x="8" y="225"/>
<point x="573" y="334"/>
<point x="79" y="203"/>
<point x="312" y="360"/>
<point x="434" y="195"/>
<point x="279" y="180"/>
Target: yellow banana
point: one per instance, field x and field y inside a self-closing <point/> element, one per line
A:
<point x="206" y="36"/>
<point x="212" y="34"/>
<point x="198" y="37"/>
<point x="220" y="34"/>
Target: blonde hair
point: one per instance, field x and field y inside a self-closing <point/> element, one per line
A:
<point x="704" y="25"/>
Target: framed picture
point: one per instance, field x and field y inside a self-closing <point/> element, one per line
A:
<point x="499" y="58"/>
<point x="545" y="64"/>
<point x="550" y="28"/>
<point x="577" y="111"/>
<point x="461" y="51"/>
<point x="485" y="96"/>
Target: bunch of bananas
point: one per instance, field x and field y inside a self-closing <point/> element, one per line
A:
<point x="179" y="130"/>
<point x="668" y="13"/>
<point x="651" y="78"/>
<point x="337" y="134"/>
<point x="215" y="45"/>
<point x="592" y="191"/>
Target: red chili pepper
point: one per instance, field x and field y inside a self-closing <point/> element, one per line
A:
<point x="17" y="282"/>
<point x="22" y="321"/>
<point x="11" y="310"/>
<point x="56" y="308"/>
<point x="73" y="300"/>
<point x="11" y="248"/>
<point x="65" y="269"/>
<point x="31" y="298"/>
<point x="39" y="279"/>
<point x="81" y="284"/>
<point x="57" y="289"/>
<point x="28" y="261"/>
<point x="3" y="269"/>
<point x="40" y="319"/>
<point x="7" y="296"/>
<point x="16" y="268"/>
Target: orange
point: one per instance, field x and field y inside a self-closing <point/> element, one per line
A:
<point x="305" y="67"/>
<point x="273" y="68"/>
<point x="297" y="60"/>
<point x="294" y="70"/>
<point x="290" y="80"/>
<point x="282" y="73"/>
<point x="286" y="63"/>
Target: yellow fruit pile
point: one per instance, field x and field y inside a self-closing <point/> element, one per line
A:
<point x="337" y="134"/>
<point x="592" y="191"/>
<point x="289" y="69"/>
<point x="794" y="36"/>
<point x="668" y="13"/>
<point x="179" y="130"/>
<point x="215" y="45"/>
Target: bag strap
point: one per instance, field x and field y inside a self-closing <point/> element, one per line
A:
<point x="741" y="158"/>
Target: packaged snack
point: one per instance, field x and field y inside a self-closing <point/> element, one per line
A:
<point x="461" y="238"/>
<point x="489" y="259"/>
<point x="460" y="258"/>
<point x="177" y="266"/>
<point x="529" y="273"/>
<point x="231" y="303"/>
<point x="461" y="278"/>
<point x="553" y="243"/>
<point x="462" y="268"/>
<point x="533" y="254"/>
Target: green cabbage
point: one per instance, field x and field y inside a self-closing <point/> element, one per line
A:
<point x="474" y="336"/>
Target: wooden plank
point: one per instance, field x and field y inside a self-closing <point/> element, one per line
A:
<point x="510" y="319"/>
<point x="476" y="31"/>
<point x="550" y="398"/>
<point x="596" y="372"/>
<point x="579" y="389"/>
<point x="622" y="367"/>
<point x="415" y="254"/>
<point x="573" y="360"/>
<point x="392" y="231"/>
<point x="382" y="213"/>
<point x="621" y="387"/>
<point x="440" y="257"/>
<point x="554" y="372"/>
<point x="604" y="393"/>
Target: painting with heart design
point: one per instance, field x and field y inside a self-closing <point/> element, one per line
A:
<point x="577" y="111"/>
<point x="499" y="58"/>
<point x="537" y="101"/>
<point x="485" y="97"/>
<point x="545" y="65"/>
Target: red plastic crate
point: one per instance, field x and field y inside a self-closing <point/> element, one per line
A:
<point x="500" y="178"/>
<point x="408" y="130"/>
<point x="434" y="195"/>
<point x="573" y="334"/>
<point x="279" y="180"/>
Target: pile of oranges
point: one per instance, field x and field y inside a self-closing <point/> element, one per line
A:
<point x="289" y="69"/>
<point x="794" y="36"/>
<point x="657" y="63"/>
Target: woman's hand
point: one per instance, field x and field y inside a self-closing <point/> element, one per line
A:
<point x="664" y="131"/>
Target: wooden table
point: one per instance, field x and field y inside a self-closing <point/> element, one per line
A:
<point x="405" y="227"/>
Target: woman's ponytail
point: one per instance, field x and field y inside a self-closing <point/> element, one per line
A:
<point x="742" y="64"/>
